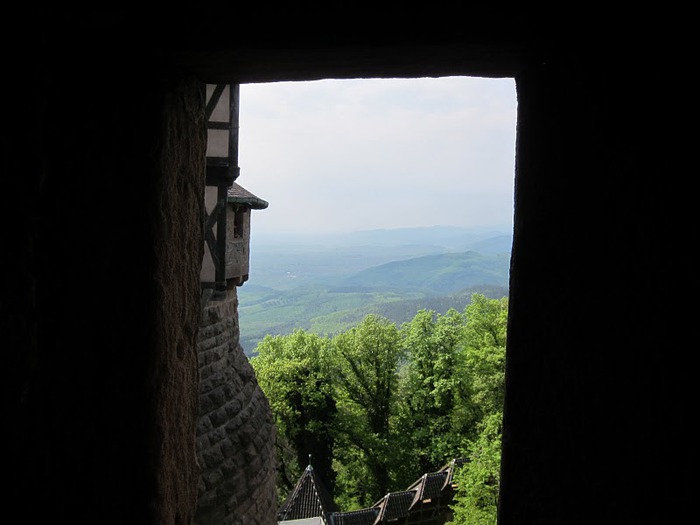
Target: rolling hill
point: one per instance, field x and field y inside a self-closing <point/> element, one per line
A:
<point x="326" y="285"/>
<point x="434" y="274"/>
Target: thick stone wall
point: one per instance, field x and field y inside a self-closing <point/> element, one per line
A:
<point x="235" y="432"/>
<point x="101" y="366"/>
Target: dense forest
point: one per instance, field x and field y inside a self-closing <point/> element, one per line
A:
<point x="381" y="403"/>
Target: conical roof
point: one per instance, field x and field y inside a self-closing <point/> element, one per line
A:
<point x="309" y="499"/>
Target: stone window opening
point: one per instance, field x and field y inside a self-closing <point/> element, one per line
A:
<point x="238" y="218"/>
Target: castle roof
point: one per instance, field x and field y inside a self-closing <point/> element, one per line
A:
<point x="394" y="505"/>
<point x="355" y="517"/>
<point x="237" y="194"/>
<point x="429" y="486"/>
<point x="310" y="503"/>
<point x="309" y="499"/>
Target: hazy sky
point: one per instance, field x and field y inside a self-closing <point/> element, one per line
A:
<point x="345" y="155"/>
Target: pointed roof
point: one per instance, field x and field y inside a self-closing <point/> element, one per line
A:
<point x="237" y="194"/>
<point x="309" y="499"/>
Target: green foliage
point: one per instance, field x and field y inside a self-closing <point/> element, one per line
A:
<point x="432" y="389"/>
<point x="293" y="372"/>
<point x="366" y="379"/>
<point x="485" y="355"/>
<point x="378" y="405"/>
<point x="478" y="481"/>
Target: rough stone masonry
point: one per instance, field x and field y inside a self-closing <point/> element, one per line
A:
<point x="235" y="430"/>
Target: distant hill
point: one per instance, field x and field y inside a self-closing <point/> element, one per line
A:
<point x="289" y="261"/>
<point x="434" y="274"/>
<point x="328" y="283"/>
<point x="447" y="237"/>
<point x="493" y="245"/>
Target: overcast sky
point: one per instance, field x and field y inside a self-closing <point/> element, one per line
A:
<point x="346" y="155"/>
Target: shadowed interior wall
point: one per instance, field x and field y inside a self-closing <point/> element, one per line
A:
<point x="589" y="344"/>
<point x="109" y="189"/>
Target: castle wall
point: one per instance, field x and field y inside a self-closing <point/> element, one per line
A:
<point x="103" y="373"/>
<point x="235" y="432"/>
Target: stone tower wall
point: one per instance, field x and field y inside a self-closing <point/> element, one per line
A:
<point x="235" y="432"/>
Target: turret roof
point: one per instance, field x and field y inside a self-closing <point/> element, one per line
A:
<point x="309" y="499"/>
<point x="237" y="194"/>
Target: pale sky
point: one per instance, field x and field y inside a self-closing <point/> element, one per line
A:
<point x="345" y="155"/>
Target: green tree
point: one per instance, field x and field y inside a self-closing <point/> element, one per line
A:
<point x="478" y="481"/>
<point x="485" y="351"/>
<point x="367" y="358"/>
<point x="377" y="406"/>
<point x="434" y="388"/>
<point x="293" y="372"/>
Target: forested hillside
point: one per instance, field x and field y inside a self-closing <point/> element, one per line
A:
<point x="325" y="285"/>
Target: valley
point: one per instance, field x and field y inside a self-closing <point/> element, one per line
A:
<point x="326" y="284"/>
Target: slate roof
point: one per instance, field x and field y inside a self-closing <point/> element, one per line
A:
<point x="309" y="499"/>
<point x="429" y="486"/>
<point x="355" y="517"/>
<point x="394" y="505"/>
<point x="237" y="194"/>
<point x="433" y="490"/>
